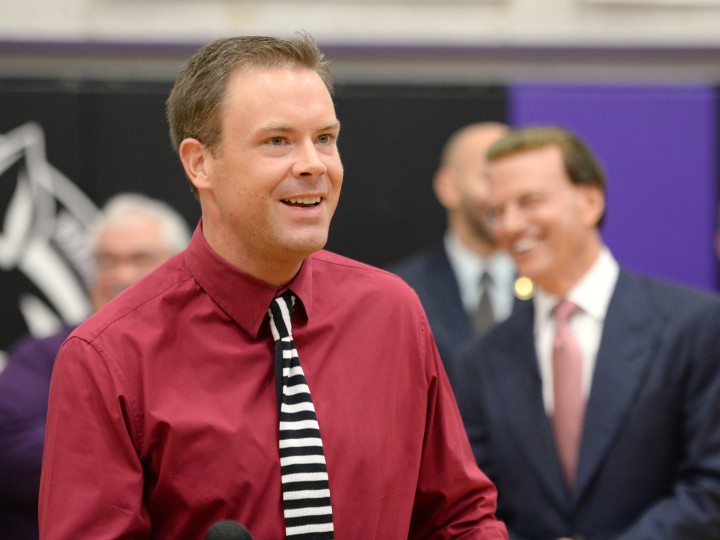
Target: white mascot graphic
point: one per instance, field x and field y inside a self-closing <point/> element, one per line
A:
<point x="44" y="227"/>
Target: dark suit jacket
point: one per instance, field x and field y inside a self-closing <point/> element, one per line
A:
<point x="24" y="389"/>
<point x="430" y="274"/>
<point x="650" y="454"/>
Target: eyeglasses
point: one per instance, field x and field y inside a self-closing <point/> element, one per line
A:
<point x="139" y="260"/>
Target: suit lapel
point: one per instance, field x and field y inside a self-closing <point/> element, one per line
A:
<point x="630" y="334"/>
<point x="518" y="379"/>
<point x="448" y="304"/>
<point x="519" y="304"/>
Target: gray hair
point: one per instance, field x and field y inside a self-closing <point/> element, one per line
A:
<point x="174" y="227"/>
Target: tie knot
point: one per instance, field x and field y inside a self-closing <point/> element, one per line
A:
<point x="280" y="315"/>
<point x="563" y="310"/>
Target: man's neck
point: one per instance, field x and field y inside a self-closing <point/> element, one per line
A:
<point x="277" y="272"/>
<point x="560" y="285"/>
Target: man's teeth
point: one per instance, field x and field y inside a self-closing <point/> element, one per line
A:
<point x="303" y="200"/>
<point x="524" y="245"/>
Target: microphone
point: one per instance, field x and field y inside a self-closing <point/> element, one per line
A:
<point x="228" y="530"/>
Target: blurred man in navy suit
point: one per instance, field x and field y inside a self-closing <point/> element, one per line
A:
<point x="448" y="276"/>
<point x="608" y="426"/>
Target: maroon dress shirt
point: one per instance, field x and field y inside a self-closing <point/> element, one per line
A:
<point x="163" y="419"/>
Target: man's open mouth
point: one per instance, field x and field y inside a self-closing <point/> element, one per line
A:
<point x="303" y="201"/>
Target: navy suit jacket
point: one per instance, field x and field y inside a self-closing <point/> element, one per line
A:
<point x="429" y="273"/>
<point x="24" y="389"/>
<point x="649" y="466"/>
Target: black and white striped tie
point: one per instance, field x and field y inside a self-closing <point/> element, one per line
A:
<point x="305" y="488"/>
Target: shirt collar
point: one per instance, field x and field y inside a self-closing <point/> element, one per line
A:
<point x="468" y="267"/>
<point x="591" y="294"/>
<point x="243" y="297"/>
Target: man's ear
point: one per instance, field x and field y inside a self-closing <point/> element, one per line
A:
<point x="445" y="189"/>
<point x="195" y="157"/>
<point x="594" y="203"/>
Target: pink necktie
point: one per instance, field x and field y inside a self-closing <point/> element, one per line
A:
<point x="567" y="386"/>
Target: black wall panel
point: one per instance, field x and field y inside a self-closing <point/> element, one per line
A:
<point x="390" y="143"/>
<point x="109" y="137"/>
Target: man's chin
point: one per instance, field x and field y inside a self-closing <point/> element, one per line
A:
<point x="483" y="232"/>
<point x="305" y="247"/>
<point x="529" y="271"/>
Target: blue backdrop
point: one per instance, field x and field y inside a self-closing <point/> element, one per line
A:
<point x="659" y="147"/>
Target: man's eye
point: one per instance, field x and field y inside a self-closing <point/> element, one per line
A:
<point x="531" y="201"/>
<point x="325" y="139"/>
<point x="105" y="261"/>
<point x="277" y="141"/>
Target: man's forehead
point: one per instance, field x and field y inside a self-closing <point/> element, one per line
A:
<point x="544" y="160"/>
<point x="132" y="230"/>
<point x="256" y="73"/>
<point x="277" y="92"/>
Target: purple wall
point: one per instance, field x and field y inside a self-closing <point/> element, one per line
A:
<point x="658" y="147"/>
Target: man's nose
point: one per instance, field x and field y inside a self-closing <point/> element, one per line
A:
<point x="513" y="219"/>
<point x="309" y="162"/>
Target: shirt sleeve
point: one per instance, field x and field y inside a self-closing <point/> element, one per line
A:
<point x="454" y="499"/>
<point x="92" y="477"/>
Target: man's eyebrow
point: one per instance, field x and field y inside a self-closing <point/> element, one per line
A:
<point x="274" y="128"/>
<point x="282" y="128"/>
<point x="331" y="126"/>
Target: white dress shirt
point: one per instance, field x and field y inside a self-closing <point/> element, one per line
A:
<point x="468" y="267"/>
<point x="592" y="295"/>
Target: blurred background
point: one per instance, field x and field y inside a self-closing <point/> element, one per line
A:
<point x="83" y="85"/>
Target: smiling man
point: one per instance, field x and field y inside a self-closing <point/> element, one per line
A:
<point x="595" y="408"/>
<point x="465" y="282"/>
<point x="255" y="377"/>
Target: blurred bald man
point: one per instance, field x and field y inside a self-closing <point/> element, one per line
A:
<point x="464" y="282"/>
